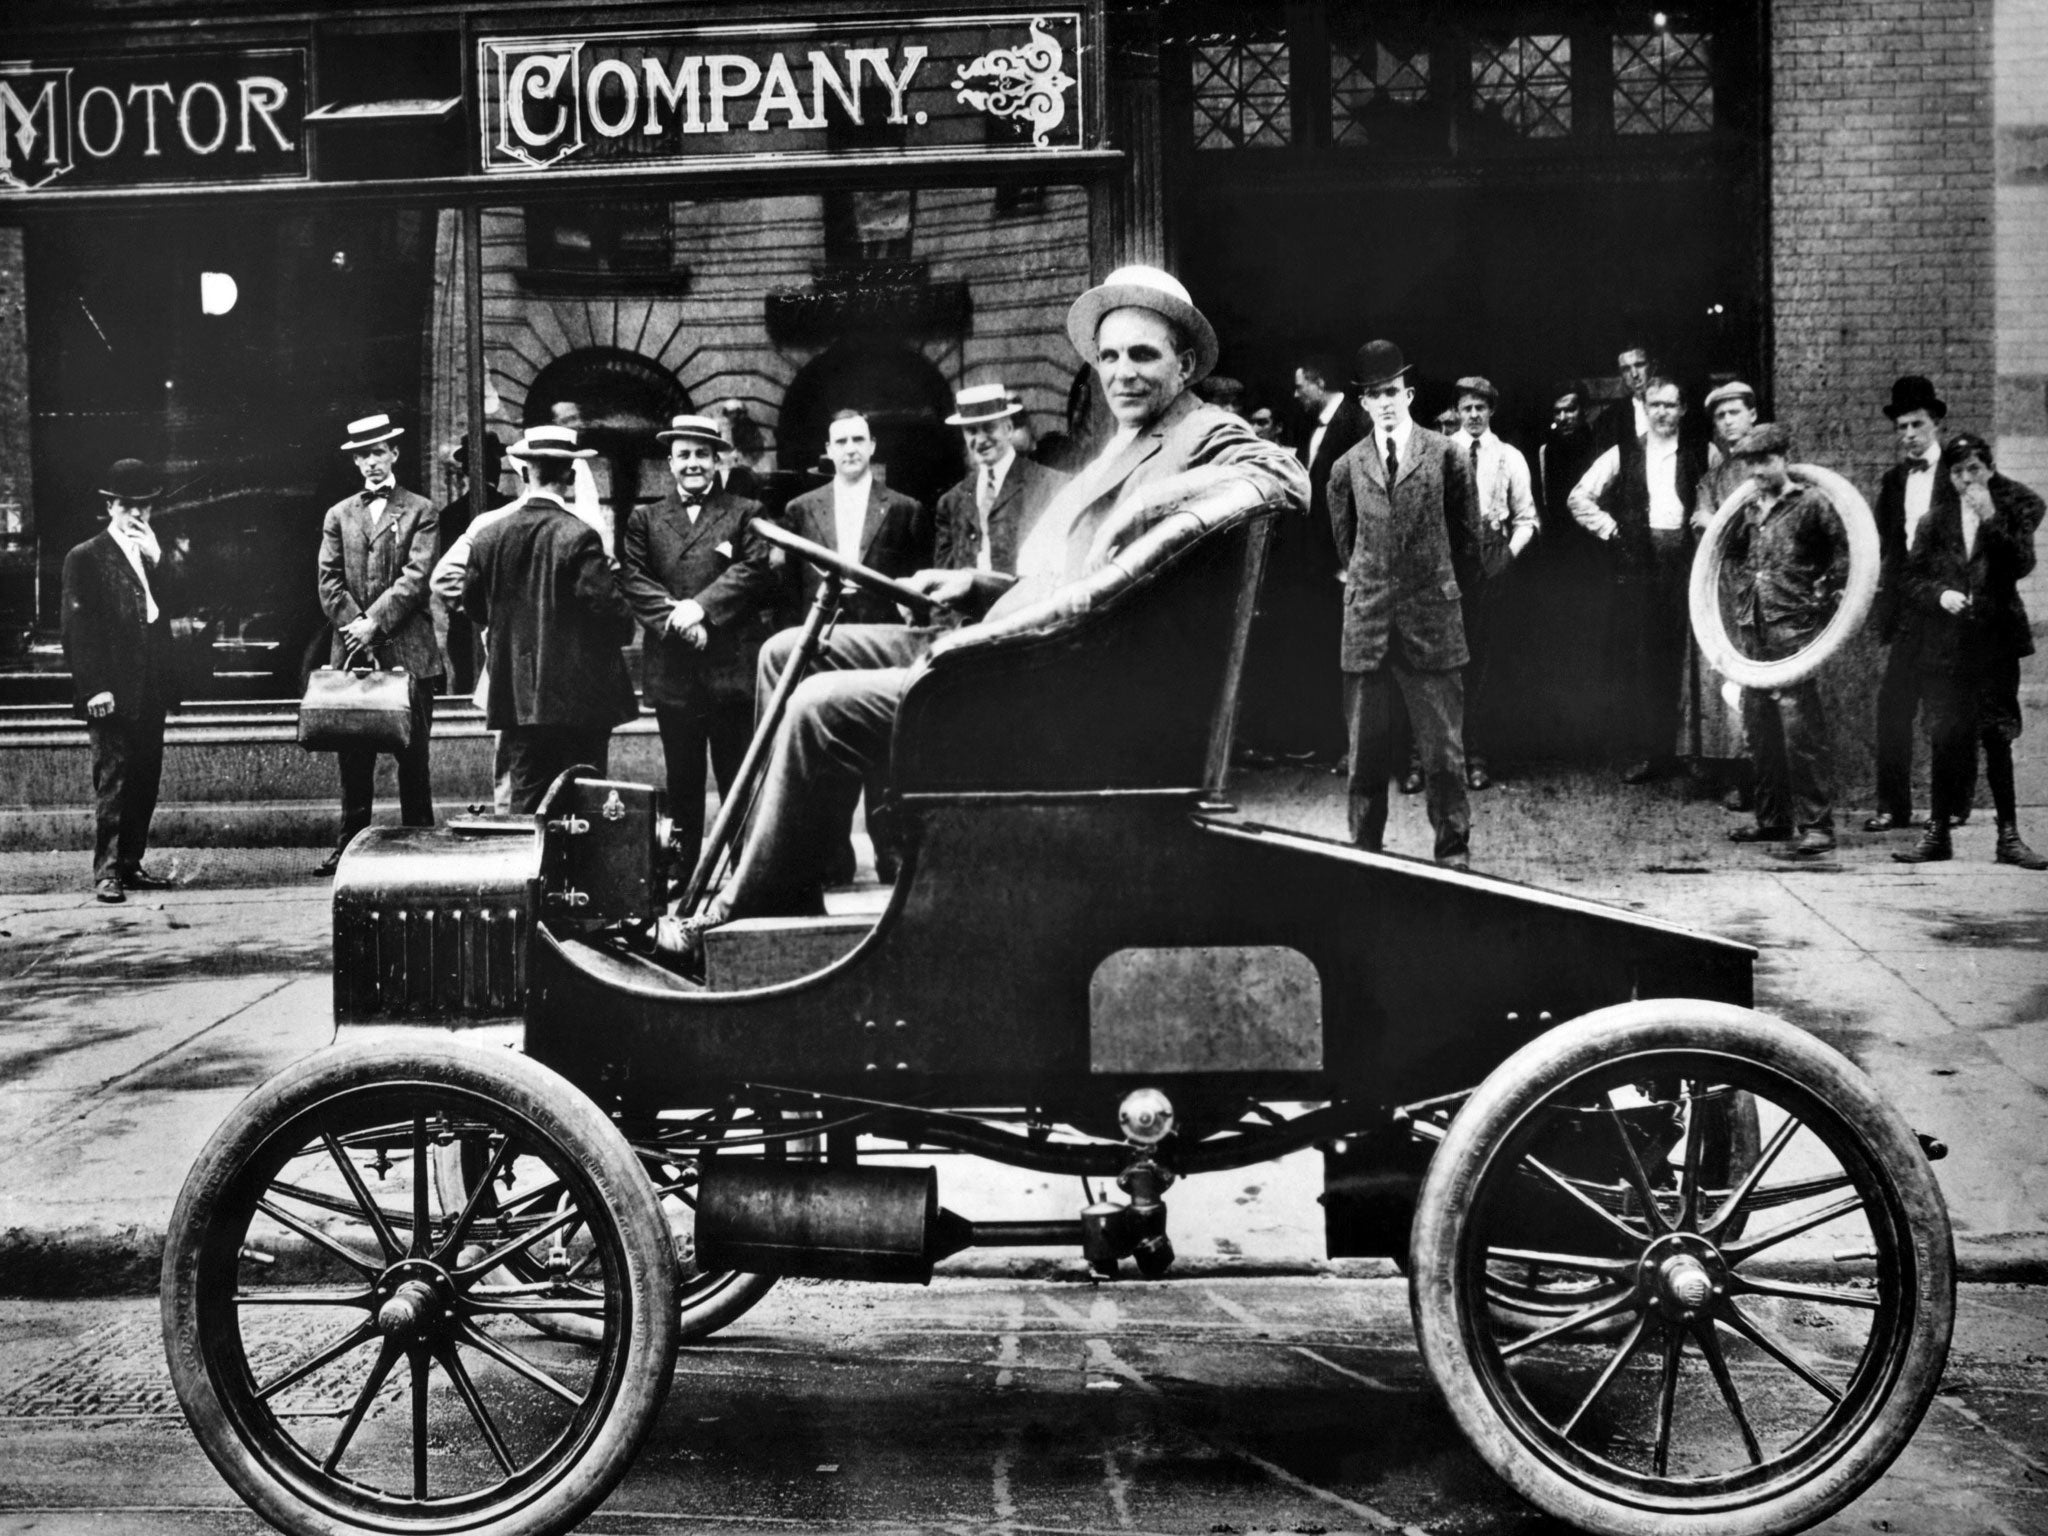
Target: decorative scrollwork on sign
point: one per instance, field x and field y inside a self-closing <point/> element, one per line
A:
<point x="1030" y="82"/>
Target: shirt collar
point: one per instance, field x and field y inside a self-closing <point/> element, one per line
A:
<point x="1330" y="409"/>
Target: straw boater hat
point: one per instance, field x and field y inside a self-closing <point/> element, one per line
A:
<point x="132" y="480"/>
<point x="982" y="403"/>
<point x="695" y="429"/>
<point x="1377" y="363"/>
<point x="1143" y="288"/>
<point x="550" y="443"/>
<point x="369" y="431"/>
<point x="1474" y="384"/>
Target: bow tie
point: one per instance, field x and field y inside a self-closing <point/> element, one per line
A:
<point x="1917" y="466"/>
<point x="378" y="492"/>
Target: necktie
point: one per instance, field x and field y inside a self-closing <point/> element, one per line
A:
<point x="985" y="490"/>
<point x="1393" y="464"/>
<point x="1475" y="461"/>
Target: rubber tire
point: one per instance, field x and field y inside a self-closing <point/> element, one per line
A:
<point x="1703" y="592"/>
<point x="1553" y="1059"/>
<point x="577" y="1127"/>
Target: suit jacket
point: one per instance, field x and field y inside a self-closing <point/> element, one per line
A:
<point x="1305" y="555"/>
<point x="1896" y="616"/>
<point x="380" y="568"/>
<point x="720" y="562"/>
<point x="1027" y="490"/>
<point x="108" y="643"/>
<point x="1994" y="626"/>
<point x="895" y="539"/>
<point x="1406" y="553"/>
<point x="538" y="577"/>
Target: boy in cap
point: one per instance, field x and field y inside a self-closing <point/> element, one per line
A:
<point x="118" y="642"/>
<point x="1787" y="560"/>
<point x="377" y="549"/>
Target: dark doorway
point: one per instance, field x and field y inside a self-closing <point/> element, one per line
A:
<point x="905" y="400"/>
<point x="622" y="401"/>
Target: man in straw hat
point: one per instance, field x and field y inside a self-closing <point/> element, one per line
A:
<point x="377" y="549"/>
<point x="698" y="578"/>
<point x="1406" y="522"/>
<point x="984" y="518"/>
<point x="539" y="581"/>
<point x="118" y="642"/>
<point x="1148" y="344"/>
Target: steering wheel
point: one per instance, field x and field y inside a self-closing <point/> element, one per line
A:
<point x="860" y="575"/>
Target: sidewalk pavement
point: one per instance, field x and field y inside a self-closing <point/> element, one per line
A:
<point x="131" y="1031"/>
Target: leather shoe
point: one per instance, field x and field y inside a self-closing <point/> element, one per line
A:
<point x="108" y="890"/>
<point x="1738" y="799"/>
<point x="1454" y="861"/>
<point x="1475" y="777"/>
<point x="1639" y="773"/>
<point x="1759" y="834"/>
<point x="327" y="866"/>
<point x="1411" y="782"/>
<point x="1885" y="821"/>
<point x="1812" y="844"/>
<point x="136" y="878"/>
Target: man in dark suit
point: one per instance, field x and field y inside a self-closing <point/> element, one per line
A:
<point x="1962" y="579"/>
<point x="1908" y="496"/>
<point x="118" y="642"/>
<point x="458" y="641"/>
<point x="539" y="581"/>
<point x="377" y="549"/>
<point x="698" y="578"/>
<point x="862" y="519"/>
<point x="1406" y="524"/>
<point x="984" y="518"/>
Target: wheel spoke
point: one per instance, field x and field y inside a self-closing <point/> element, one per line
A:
<point x="1710" y="1346"/>
<point x="1599" y="1312"/>
<point x="1638" y="1180"/>
<point x="420" y="1215"/>
<point x="416" y="1358"/>
<point x="451" y="1362"/>
<point x="313" y="1234"/>
<point x="1822" y="1295"/>
<point x="374" y="1213"/>
<point x="1578" y="1262"/>
<point x="451" y="1242"/>
<point x="386" y="1358"/>
<point x="1634" y="1235"/>
<point x="585" y="1305"/>
<point x="1737" y="1253"/>
<point x="304" y="1298"/>
<point x="1627" y="1348"/>
<point x="1667" y="1397"/>
<point x="504" y="1251"/>
<point x="298" y="1373"/>
<point x="1780" y="1139"/>
<point x="1753" y="1331"/>
<point x="1689" y="1177"/>
<point x="513" y="1361"/>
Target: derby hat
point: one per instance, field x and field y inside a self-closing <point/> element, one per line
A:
<point x="1915" y="392"/>
<point x="695" y="429"/>
<point x="550" y="443"/>
<point x="369" y="431"/>
<point x="494" y="454"/>
<point x="1475" y="384"/>
<point x="1761" y="441"/>
<point x="1143" y="287"/>
<point x="1734" y="389"/>
<point x="982" y="403"/>
<point x="1377" y="363"/>
<point x="132" y="480"/>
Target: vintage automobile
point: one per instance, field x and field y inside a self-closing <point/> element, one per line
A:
<point x="420" y="1284"/>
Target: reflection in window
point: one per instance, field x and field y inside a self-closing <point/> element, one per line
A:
<point x="1371" y="84"/>
<point x="1663" y="82"/>
<point x="876" y="226"/>
<point x="1525" y="83"/>
<point x="1241" y="90"/>
<point x="599" y="235"/>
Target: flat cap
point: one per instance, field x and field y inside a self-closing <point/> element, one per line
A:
<point x="1760" y="441"/>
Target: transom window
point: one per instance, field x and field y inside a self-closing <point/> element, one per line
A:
<point x="1525" y="84"/>
<point x="1663" y="83"/>
<point x="1241" y="92"/>
<point x="1371" y="82"/>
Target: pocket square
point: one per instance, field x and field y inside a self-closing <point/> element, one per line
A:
<point x="725" y="548"/>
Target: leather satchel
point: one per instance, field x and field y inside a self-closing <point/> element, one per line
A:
<point x="356" y="709"/>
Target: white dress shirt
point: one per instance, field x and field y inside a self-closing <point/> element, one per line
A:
<point x="1315" y="438"/>
<point x="1399" y="437"/>
<point x="1920" y="491"/>
<point x="1506" y="501"/>
<point x="1660" y="471"/>
<point x="850" y="512"/>
<point x="138" y="543"/>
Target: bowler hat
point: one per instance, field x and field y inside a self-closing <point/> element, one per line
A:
<point x="550" y="443"/>
<point x="132" y="480"/>
<point x="982" y="403"/>
<point x="368" y="431"/>
<point x="695" y="429"/>
<point x="1734" y="389"/>
<point x="1474" y="384"/>
<point x="1761" y="441"/>
<point x="1915" y="392"/>
<point x="1142" y="287"/>
<point x="494" y="454"/>
<point x="1377" y="363"/>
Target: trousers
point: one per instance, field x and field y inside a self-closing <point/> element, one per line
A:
<point x="415" y="774"/>
<point x="1436" y="709"/>
<point x="127" y="767"/>
<point x="538" y="754"/>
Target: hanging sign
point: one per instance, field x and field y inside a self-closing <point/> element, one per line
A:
<point x="610" y="101"/>
<point x="183" y="118"/>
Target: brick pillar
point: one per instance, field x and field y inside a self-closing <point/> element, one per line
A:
<point x="17" y="504"/>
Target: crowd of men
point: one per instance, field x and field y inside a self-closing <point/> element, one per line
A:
<point x="1394" y="593"/>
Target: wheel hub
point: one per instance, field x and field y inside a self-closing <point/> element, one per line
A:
<point x="416" y="1301"/>
<point x="1680" y="1274"/>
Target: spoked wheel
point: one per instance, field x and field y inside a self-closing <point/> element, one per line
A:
<point x="706" y="1300"/>
<point x="1781" y="1332"/>
<point x="343" y="1334"/>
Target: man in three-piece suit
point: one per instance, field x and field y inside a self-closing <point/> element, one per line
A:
<point x="986" y="517"/>
<point x="1405" y="518"/>
<point x="118" y="642"/>
<point x="1908" y="496"/>
<point x="377" y="549"/>
<point x="698" y="578"/>
<point x="1148" y="344"/>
